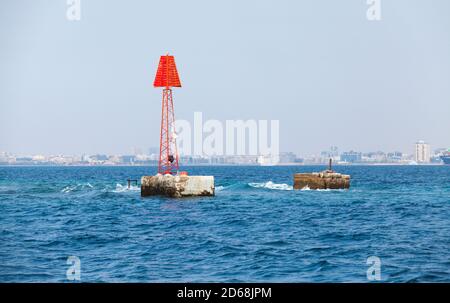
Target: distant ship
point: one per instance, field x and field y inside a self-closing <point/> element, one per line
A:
<point x="446" y="157"/>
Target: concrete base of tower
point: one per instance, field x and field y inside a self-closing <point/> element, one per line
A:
<point x="177" y="186"/>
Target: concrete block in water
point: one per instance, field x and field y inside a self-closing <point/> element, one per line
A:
<point x="177" y="186"/>
<point x="323" y="180"/>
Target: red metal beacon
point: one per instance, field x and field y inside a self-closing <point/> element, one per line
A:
<point x="167" y="77"/>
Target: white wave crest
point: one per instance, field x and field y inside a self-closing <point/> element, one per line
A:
<point x="271" y="185"/>
<point x="219" y="188"/>
<point x="79" y="186"/>
<point x="124" y="188"/>
<point x="306" y="188"/>
<point x="68" y="189"/>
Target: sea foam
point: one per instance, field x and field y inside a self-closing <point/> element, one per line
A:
<point x="271" y="185"/>
<point x="123" y="188"/>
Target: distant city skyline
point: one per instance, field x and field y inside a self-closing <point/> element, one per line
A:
<point x="319" y="67"/>
<point x="155" y="150"/>
<point x="422" y="153"/>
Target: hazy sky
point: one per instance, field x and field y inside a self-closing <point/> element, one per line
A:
<point x="319" y="66"/>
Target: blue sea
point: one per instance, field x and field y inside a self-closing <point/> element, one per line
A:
<point x="256" y="228"/>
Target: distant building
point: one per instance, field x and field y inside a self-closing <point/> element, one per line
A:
<point x="422" y="152"/>
<point x="436" y="155"/>
<point x="24" y="159"/>
<point x="333" y="153"/>
<point x="394" y="156"/>
<point x="287" y="157"/>
<point x="351" y="157"/>
<point x="114" y="159"/>
<point x="128" y="159"/>
<point x="99" y="157"/>
<point x="268" y="160"/>
<point x="3" y="158"/>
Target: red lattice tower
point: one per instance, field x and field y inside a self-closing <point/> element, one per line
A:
<point x="167" y="77"/>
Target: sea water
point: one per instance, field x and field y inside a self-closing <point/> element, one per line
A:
<point x="256" y="228"/>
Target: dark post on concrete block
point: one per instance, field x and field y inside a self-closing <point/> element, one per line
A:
<point x="129" y="182"/>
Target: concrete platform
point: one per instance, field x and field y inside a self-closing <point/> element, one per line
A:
<point x="324" y="180"/>
<point x="177" y="186"/>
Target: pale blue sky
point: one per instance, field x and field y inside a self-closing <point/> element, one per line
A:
<point x="319" y="66"/>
